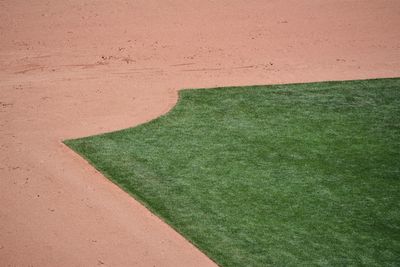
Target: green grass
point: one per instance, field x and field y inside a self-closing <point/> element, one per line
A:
<point x="282" y="175"/>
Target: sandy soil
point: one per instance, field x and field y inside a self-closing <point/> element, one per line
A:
<point x="76" y="68"/>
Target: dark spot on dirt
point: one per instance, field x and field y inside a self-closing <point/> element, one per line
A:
<point x="4" y="105"/>
<point x="128" y="60"/>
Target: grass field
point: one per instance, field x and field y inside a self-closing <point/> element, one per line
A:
<point x="283" y="175"/>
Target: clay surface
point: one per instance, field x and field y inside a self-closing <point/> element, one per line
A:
<point x="76" y="68"/>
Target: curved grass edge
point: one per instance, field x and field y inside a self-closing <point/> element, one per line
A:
<point x="228" y="87"/>
<point x="182" y="94"/>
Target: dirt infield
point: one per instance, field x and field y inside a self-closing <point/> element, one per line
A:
<point x="76" y="68"/>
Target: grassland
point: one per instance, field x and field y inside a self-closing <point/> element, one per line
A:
<point x="282" y="175"/>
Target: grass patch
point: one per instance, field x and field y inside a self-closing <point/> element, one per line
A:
<point x="283" y="175"/>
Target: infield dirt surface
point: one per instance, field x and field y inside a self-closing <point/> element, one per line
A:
<point x="76" y="68"/>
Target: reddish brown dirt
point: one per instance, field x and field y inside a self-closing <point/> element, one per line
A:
<point x="79" y="67"/>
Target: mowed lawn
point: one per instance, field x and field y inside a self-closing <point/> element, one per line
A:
<point x="282" y="175"/>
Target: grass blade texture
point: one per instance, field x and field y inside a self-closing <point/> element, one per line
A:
<point x="282" y="175"/>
